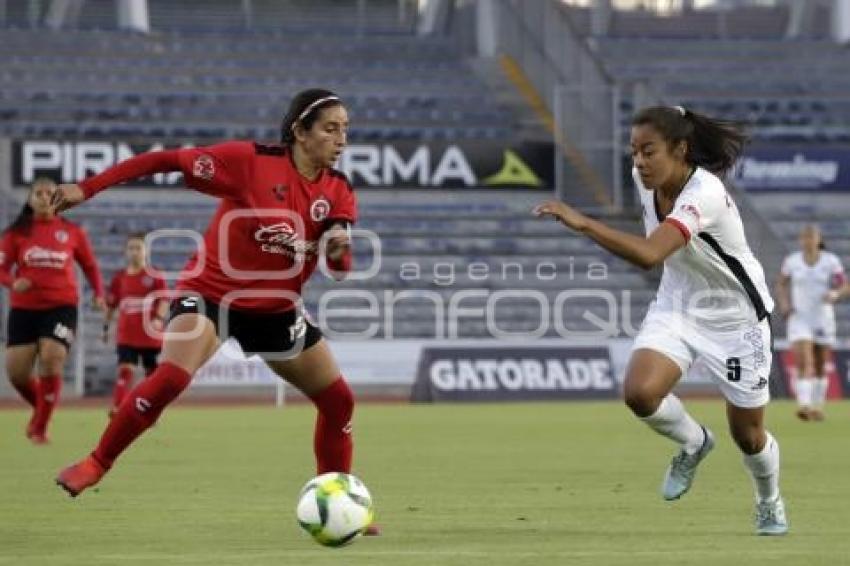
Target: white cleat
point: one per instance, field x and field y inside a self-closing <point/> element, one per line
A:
<point x="683" y="467"/>
<point x="770" y="518"/>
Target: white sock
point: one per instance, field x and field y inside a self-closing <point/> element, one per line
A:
<point x="804" y="387"/>
<point x="764" y="468"/>
<point x="819" y="388"/>
<point x="671" y="420"/>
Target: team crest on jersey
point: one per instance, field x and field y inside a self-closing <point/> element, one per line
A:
<point x="147" y="281"/>
<point x="61" y="236"/>
<point x="690" y="209"/>
<point x="203" y="167"/>
<point x="320" y="209"/>
<point x="279" y="191"/>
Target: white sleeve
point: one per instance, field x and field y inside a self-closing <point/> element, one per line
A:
<point x="696" y="209"/>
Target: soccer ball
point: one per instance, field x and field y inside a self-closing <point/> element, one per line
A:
<point x="335" y="508"/>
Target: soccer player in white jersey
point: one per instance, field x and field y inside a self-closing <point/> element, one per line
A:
<point x="712" y="302"/>
<point x="810" y="281"/>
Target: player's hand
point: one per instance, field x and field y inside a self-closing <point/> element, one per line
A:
<point x="561" y="212"/>
<point x="67" y="196"/>
<point x="339" y="242"/>
<point x="832" y="297"/>
<point x="98" y="304"/>
<point x="21" y="284"/>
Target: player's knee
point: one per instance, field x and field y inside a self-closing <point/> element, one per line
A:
<point x="642" y="401"/>
<point x="345" y="399"/>
<point x="336" y="402"/>
<point x="52" y="364"/>
<point x="750" y="440"/>
<point x="18" y="373"/>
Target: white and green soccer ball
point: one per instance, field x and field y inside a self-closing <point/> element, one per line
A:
<point x="335" y="508"/>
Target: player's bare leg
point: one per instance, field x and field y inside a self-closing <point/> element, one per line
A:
<point x="315" y="373"/>
<point x="761" y="457"/>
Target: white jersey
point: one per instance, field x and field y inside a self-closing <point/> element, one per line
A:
<point x="714" y="279"/>
<point x="811" y="283"/>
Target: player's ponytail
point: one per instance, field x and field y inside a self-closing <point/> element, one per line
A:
<point x="304" y="109"/>
<point x="713" y="143"/>
<point x="23" y="222"/>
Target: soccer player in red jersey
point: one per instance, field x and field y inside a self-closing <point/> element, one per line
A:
<point x="42" y="247"/>
<point x="140" y="321"/>
<point x="281" y="206"/>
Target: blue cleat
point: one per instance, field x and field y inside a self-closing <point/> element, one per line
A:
<point x="770" y="518"/>
<point x="680" y="474"/>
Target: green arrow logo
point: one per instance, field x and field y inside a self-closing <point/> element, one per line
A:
<point x="514" y="172"/>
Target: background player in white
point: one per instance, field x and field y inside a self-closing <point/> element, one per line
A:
<point x="712" y="302"/>
<point x="810" y="281"/>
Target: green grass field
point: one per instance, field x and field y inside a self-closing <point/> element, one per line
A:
<point x="453" y="484"/>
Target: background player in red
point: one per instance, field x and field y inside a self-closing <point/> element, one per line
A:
<point x="41" y="248"/>
<point x="127" y="291"/>
<point x="281" y="206"/>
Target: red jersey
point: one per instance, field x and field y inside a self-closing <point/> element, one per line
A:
<point x="46" y="257"/>
<point x="127" y="294"/>
<point x="261" y="245"/>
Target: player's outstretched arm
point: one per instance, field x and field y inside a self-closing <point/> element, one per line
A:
<point x="643" y="252"/>
<point x="70" y="195"/>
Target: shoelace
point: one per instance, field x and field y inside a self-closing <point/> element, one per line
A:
<point x="767" y="512"/>
<point x="681" y="462"/>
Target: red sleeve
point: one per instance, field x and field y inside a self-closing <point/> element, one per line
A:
<point x="344" y="207"/>
<point x="680" y="226"/>
<point x="222" y="170"/>
<point x="133" y="168"/>
<point x="85" y="257"/>
<point x="113" y="297"/>
<point x="7" y="259"/>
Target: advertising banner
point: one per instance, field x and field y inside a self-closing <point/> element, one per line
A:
<point x="772" y="168"/>
<point x="480" y="164"/>
<point x="513" y="374"/>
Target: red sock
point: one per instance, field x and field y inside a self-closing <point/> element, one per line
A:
<point x="122" y="384"/>
<point x="332" y="442"/>
<point x="28" y="390"/>
<point x="48" y="397"/>
<point x="140" y="409"/>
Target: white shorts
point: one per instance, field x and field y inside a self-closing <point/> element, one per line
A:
<point x="820" y="330"/>
<point x="738" y="361"/>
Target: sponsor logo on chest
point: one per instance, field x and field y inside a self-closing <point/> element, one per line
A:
<point x="37" y="256"/>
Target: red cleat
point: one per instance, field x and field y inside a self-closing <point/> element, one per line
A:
<point x="84" y="474"/>
<point x="36" y="436"/>
<point x="372" y="530"/>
